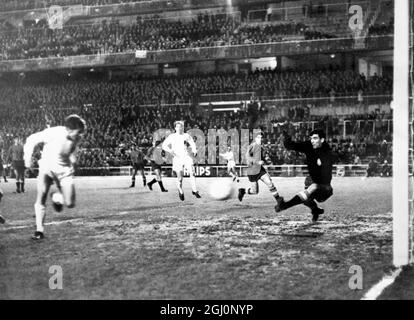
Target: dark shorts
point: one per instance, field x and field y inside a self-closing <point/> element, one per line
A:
<point x="155" y="166"/>
<point x="19" y="165"/>
<point x="138" y="166"/>
<point x="321" y="192"/>
<point x="256" y="177"/>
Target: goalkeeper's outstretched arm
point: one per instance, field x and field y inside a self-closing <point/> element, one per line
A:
<point x="291" y="145"/>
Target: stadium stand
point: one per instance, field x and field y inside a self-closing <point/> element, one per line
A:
<point x="37" y="41"/>
<point x="11" y="5"/>
<point x="117" y="115"/>
<point x="119" y="111"/>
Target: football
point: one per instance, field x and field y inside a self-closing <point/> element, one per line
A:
<point x="222" y="189"/>
<point x="57" y="201"/>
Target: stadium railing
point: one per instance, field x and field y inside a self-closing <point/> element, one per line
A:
<point x="200" y="53"/>
<point x="340" y="170"/>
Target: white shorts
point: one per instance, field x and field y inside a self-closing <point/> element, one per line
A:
<point x="58" y="173"/>
<point x="179" y="163"/>
<point x="231" y="165"/>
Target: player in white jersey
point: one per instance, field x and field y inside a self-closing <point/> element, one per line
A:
<point x="176" y="144"/>
<point x="231" y="164"/>
<point x="55" y="166"/>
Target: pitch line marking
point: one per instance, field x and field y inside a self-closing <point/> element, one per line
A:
<point x="377" y="289"/>
<point x="17" y="227"/>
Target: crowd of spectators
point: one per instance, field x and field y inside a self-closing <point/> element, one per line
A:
<point x="360" y="144"/>
<point x="38" y="41"/>
<point x="11" y="5"/>
<point x="118" y="112"/>
<point x="382" y="28"/>
<point x="111" y="131"/>
<point x="172" y="90"/>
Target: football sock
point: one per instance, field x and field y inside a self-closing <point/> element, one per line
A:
<point x="180" y="186"/>
<point x="193" y="183"/>
<point x="161" y="185"/>
<point x="18" y="186"/>
<point x="274" y="192"/>
<point x="152" y="182"/>
<point x="293" y="202"/>
<point x="40" y="211"/>
<point x="311" y="204"/>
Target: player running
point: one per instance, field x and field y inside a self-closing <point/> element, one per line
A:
<point x="231" y="164"/>
<point x="176" y="144"/>
<point x="138" y="163"/>
<point x="256" y="171"/>
<point x="155" y="166"/>
<point x="318" y="184"/>
<point x="55" y="165"/>
<point x="15" y="156"/>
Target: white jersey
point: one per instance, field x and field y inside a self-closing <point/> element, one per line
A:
<point x="178" y="144"/>
<point x="229" y="156"/>
<point x="58" y="150"/>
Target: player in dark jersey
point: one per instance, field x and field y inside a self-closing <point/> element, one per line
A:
<point x="256" y="171"/>
<point x="137" y="157"/>
<point x="2" y="220"/>
<point x="16" y="156"/>
<point x="156" y="159"/>
<point x="319" y="159"/>
<point x="2" y="169"/>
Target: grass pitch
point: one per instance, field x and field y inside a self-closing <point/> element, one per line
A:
<point x="121" y="243"/>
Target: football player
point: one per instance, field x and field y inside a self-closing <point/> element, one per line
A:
<point x="2" y="168"/>
<point x="256" y="172"/>
<point x="176" y="144"/>
<point x="319" y="159"/>
<point x="138" y="163"/>
<point x="15" y="156"/>
<point x="231" y="164"/>
<point x="55" y="166"/>
<point x="2" y="220"/>
<point x="155" y="166"/>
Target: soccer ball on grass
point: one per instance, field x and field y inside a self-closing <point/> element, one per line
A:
<point x="57" y="201"/>
<point x="222" y="189"/>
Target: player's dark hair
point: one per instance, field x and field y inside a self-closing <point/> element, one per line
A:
<point x="319" y="132"/>
<point x="74" y="122"/>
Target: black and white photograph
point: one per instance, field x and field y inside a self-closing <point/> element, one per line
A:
<point x="229" y="151"/>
